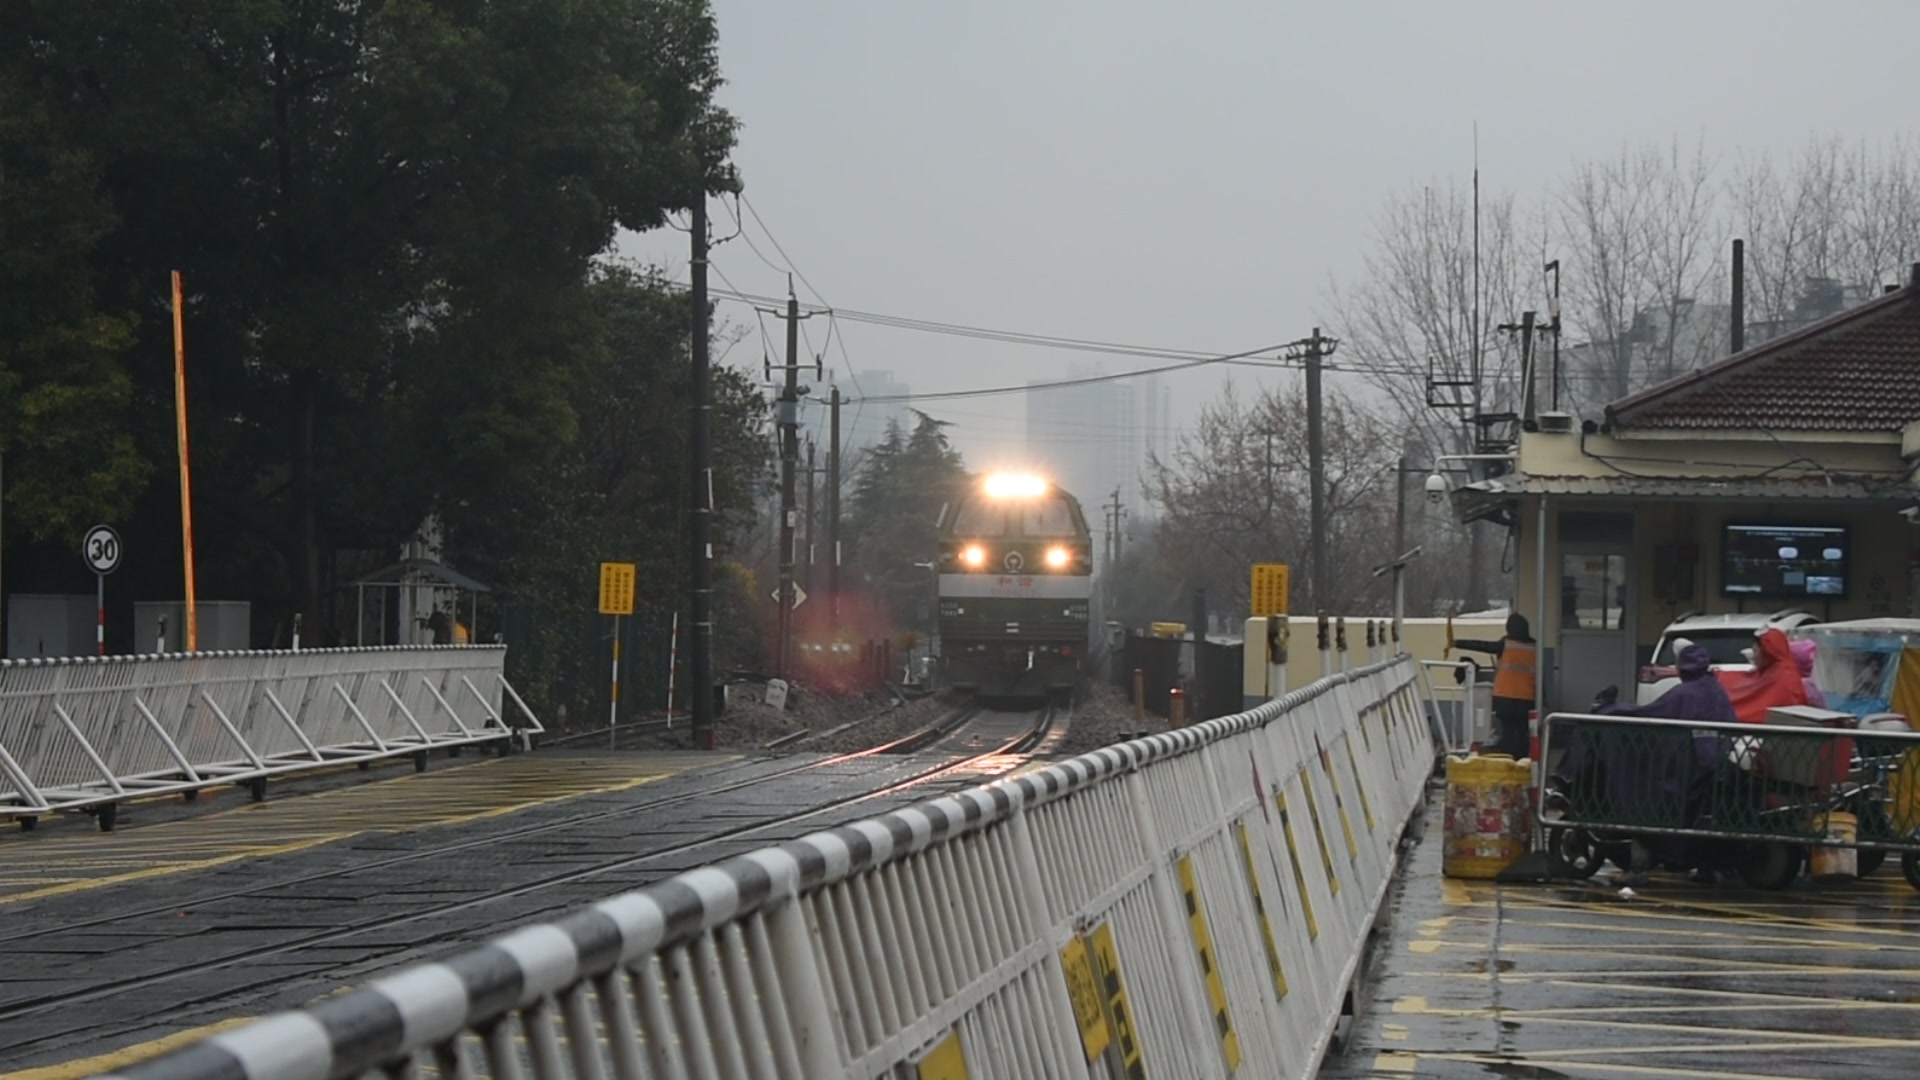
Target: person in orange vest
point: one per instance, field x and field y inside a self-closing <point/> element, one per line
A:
<point x="1516" y="669"/>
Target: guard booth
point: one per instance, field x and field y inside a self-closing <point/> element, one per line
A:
<point x="397" y="604"/>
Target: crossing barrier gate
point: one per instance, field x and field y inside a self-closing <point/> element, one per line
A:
<point x="1189" y="905"/>
<point x="87" y="733"/>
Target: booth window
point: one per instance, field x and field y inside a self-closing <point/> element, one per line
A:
<point x="1593" y="592"/>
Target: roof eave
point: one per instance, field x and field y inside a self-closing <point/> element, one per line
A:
<point x="1620" y="414"/>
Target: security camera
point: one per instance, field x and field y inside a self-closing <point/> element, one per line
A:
<point x="1436" y="488"/>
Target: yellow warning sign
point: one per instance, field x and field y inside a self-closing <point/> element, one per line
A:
<point x="616" y="588"/>
<point x="1209" y="964"/>
<point x="1083" y="986"/>
<point x="1274" y="967"/>
<point x="946" y="1061"/>
<point x="1269" y="589"/>
<point x="1108" y="959"/>
<point x="1319" y="834"/>
<point x="1366" y="804"/>
<point x="1293" y="856"/>
<point x="1339" y="804"/>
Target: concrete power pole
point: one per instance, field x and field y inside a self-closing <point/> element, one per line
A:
<point x="702" y="682"/>
<point x="789" y="420"/>
<point x="833" y="515"/>
<point x="813" y="523"/>
<point x="1317" y="467"/>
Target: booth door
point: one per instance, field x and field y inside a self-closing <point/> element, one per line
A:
<point x="1596" y="642"/>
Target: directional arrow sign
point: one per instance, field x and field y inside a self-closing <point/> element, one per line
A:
<point x="799" y="596"/>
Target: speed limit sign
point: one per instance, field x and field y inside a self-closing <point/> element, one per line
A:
<point x="102" y="549"/>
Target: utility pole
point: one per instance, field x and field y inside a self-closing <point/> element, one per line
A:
<point x="1554" y="326"/>
<point x="1399" y="547"/>
<point x="789" y="450"/>
<point x="702" y="683"/>
<point x="789" y="420"/>
<point x="813" y="486"/>
<point x="1528" y="379"/>
<point x="1116" y="511"/>
<point x="1317" y="466"/>
<point x="833" y="514"/>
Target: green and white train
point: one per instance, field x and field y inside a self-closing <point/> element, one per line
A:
<point x="1016" y="574"/>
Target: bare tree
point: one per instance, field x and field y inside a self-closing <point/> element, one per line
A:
<point x="1640" y="234"/>
<point x="1826" y="229"/>
<point x="1420" y="314"/>
<point x="1234" y="492"/>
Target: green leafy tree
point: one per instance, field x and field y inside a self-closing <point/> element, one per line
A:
<point x="64" y="394"/>
<point x="893" y="521"/>
<point x="386" y="213"/>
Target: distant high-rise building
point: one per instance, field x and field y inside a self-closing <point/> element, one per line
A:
<point x="863" y="421"/>
<point x="1099" y="437"/>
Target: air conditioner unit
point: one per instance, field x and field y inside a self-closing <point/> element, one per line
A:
<point x="1556" y="423"/>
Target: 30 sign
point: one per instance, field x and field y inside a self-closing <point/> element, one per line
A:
<point x="101" y="549"/>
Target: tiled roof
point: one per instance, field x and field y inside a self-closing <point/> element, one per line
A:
<point x="1479" y="499"/>
<point x="1858" y="370"/>
<point x="1891" y="488"/>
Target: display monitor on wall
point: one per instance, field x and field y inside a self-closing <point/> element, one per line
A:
<point x="1792" y="561"/>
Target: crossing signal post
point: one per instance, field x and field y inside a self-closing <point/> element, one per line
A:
<point x="616" y="599"/>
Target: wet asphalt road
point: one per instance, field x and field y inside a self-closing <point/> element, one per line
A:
<point x="100" y="955"/>
<point x="1475" y="980"/>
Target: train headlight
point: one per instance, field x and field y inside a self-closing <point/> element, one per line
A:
<point x="974" y="555"/>
<point x="1058" y="557"/>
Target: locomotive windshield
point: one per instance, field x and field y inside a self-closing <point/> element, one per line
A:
<point x="981" y="519"/>
<point x="1048" y="518"/>
<point x="1039" y="519"/>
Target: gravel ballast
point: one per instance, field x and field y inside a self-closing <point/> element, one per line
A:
<point x="1103" y="716"/>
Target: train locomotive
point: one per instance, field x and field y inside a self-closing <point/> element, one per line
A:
<point x="1016" y="573"/>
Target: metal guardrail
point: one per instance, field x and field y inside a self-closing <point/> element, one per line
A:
<point x="87" y="733"/>
<point x="1462" y="707"/>
<point x="1182" y="904"/>
<point x="1764" y="782"/>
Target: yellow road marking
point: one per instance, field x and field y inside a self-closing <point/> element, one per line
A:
<point x="83" y="884"/>
<point x="119" y="1059"/>
<point x="483" y="790"/>
<point x="1658" y="910"/>
<point x="1563" y="1066"/>
<point x="1454" y="893"/>
<point x="1806" y="1000"/>
<point x="1418" y="1006"/>
<point x="1394" y="1063"/>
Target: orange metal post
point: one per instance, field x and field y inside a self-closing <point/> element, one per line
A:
<point x="186" y="486"/>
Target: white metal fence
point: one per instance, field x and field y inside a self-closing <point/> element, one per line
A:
<point x="87" y="733"/>
<point x="1193" y="904"/>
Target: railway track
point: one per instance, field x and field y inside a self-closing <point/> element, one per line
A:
<point x="997" y="734"/>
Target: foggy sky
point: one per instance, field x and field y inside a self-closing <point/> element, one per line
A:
<point x="1193" y="175"/>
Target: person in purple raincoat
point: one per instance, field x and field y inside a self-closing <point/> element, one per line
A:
<point x="1654" y="777"/>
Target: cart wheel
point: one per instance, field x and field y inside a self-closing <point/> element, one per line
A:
<point x="190" y="795"/>
<point x="1909" y="864"/>
<point x="1870" y="860"/>
<point x="420" y="762"/>
<point x="28" y="824"/>
<point x="109" y="813"/>
<point x="257" y="787"/>
<point x="1574" y="853"/>
<point x="1772" y="866"/>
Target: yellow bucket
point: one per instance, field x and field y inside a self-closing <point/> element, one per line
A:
<point x="1835" y="863"/>
<point x="1489" y="817"/>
